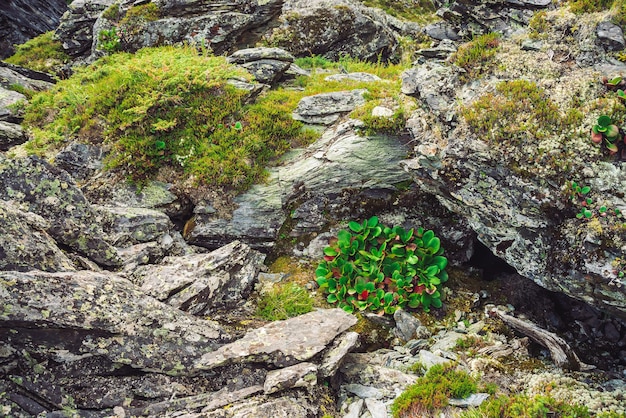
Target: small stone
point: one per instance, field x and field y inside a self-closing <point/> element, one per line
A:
<point x="376" y="408"/>
<point x="382" y="112"/>
<point x="354" y="410"/>
<point x="611" y="36"/>
<point x="363" y="392"/>
<point x="473" y="400"/>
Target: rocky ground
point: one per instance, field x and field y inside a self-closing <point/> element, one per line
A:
<point x="119" y="301"/>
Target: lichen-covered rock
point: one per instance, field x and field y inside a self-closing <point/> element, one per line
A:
<point x="203" y="283"/>
<point x="283" y="343"/>
<point x="75" y="28"/>
<point x="49" y="192"/>
<point x="105" y="316"/>
<point x="12" y="75"/>
<point x="335" y="27"/>
<point x="7" y="99"/>
<point x="25" y="244"/>
<point x="611" y="36"/>
<point x="327" y="108"/>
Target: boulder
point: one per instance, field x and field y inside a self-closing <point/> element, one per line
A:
<point x="11" y="134"/>
<point x="11" y="75"/>
<point x="45" y="190"/>
<point x="332" y="28"/>
<point x="75" y="28"/>
<point x="21" y="20"/>
<point x="25" y="244"/>
<point x="7" y="112"/>
<point x="203" y="283"/>
<point x="327" y="108"/>
<point x="610" y="36"/>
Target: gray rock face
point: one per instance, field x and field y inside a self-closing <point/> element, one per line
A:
<point x="434" y="84"/>
<point x="333" y="165"/>
<point x="202" y="283"/>
<point x="327" y="108"/>
<point x="25" y="244"/>
<point x="29" y="79"/>
<point x="283" y="343"/>
<point x="76" y="26"/>
<point x="335" y="27"/>
<point x="49" y="192"/>
<point x="267" y="65"/>
<point x="441" y="31"/>
<point x="8" y="98"/>
<point x="611" y="36"/>
<point x="479" y="16"/>
<point x="11" y="134"/>
<point x="21" y="20"/>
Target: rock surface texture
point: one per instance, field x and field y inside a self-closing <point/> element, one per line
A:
<point x="21" y="20"/>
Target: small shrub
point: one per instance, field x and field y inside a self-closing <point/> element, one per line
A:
<point x="284" y="301"/>
<point x="522" y="406"/>
<point x="538" y="25"/>
<point x="43" y="53"/>
<point x="109" y="40"/>
<point x="432" y="391"/>
<point x="476" y="57"/>
<point x="315" y="61"/>
<point x="374" y="267"/>
<point x="589" y="6"/>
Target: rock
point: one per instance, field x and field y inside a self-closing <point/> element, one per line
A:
<point x="100" y="318"/>
<point x="11" y="75"/>
<point x="126" y="226"/>
<point x="243" y="56"/>
<point x="283" y="343"/>
<point x="428" y="359"/>
<point x="75" y="28"/>
<point x="8" y="98"/>
<point x="334" y="27"/>
<point x="81" y="161"/>
<point x="354" y="410"/>
<point x="11" y="134"/>
<point x="22" y="20"/>
<point x="336" y="353"/>
<point x="49" y="192"/>
<point x="435" y="84"/>
<point x="474" y="400"/>
<point x="267" y="65"/>
<point x="25" y="244"/>
<point x="443" y="50"/>
<point x="610" y="36"/>
<point x="382" y="112"/>
<point x="442" y="30"/>
<point x="358" y="76"/>
<point x="202" y="283"/>
<point x="301" y="375"/>
<point x="327" y="108"/>
<point x="339" y="162"/>
<point x="376" y="408"/>
<point x="363" y="392"/>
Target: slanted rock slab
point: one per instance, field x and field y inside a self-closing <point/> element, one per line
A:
<point x="283" y="343"/>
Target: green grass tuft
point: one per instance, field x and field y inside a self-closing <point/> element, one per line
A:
<point x="476" y="57"/>
<point x="284" y="301"/>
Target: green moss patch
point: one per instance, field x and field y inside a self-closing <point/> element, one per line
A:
<point x="284" y="301"/>
<point x="43" y="53"/>
<point x="476" y="57"/>
<point x="165" y="107"/>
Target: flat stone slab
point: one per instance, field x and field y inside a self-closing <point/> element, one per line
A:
<point x="283" y="343"/>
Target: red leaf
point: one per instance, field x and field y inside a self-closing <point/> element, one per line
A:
<point x="419" y="289"/>
<point x="329" y="257"/>
<point x="336" y="273"/>
<point x="363" y="295"/>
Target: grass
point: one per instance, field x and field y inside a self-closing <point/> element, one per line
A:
<point x="421" y="11"/>
<point x="43" y="53"/>
<point x="284" y="301"/>
<point x="590" y="6"/>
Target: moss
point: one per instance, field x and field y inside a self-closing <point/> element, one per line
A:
<point x="431" y="391"/>
<point x="521" y="406"/>
<point x="421" y="11"/>
<point x="43" y="53"/>
<point x="589" y="6"/>
<point x="476" y="57"/>
<point x="538" y="25"/>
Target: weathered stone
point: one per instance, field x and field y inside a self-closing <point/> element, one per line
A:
<point x="327" y="108"/>
<point x="11" y="134"/>
<point x="246" y="55"/>
<point x="75" y="29"/>
<point x="202" y="283"/>
<point x="442" y="51"/>
<point x="611" y="36"/>
<point x="362" y="391"/>
<point x="22" y="20"/>
<point x="434" y="84"/>
<point x="8" y="98"/>
<point x="301" y="375"/>
<point x="428" y="359"/>
<point x="354" y="410"/>
<point x="335" y="355"/>
<point x="376" y="408"/>
<point x="442" y="30"/>
<point x="81" y="161"/>
<point x="406" y="324"/>
<point x="12" y="75"/>
<point x="333" y="28"/>
<point x="283" y="343"/>
<point x="49" y="192"/>
<point x="102" y="317"/>
<point x="365" y="77"/>
<point x="267" y="71"/>
<point x="474" y="400"/>
<point x="340" y="160"/>
<point x="25" y="245"/>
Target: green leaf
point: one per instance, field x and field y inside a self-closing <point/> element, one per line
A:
<point x="443" y="276"/>
<point x="604" y="121"/>
<point x="434" y="244"/>
<point x="412" y="259"/>
<point x="332" y="298"/>
<point x="437" y="303"/>
<point x="440" y="262"/>
<point x="388" y="297"/>
<point x="238" y="126"/>
<point x="321" y="271"/>
<point x="585" y="190"/>
<point x="355" y="226"/>
<point x="372" y="222"/>
<point x="330" y="251"/>
<point x="432" y="271"/>
<point x="348" y="308"/>
<point x="322" y="281"/>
